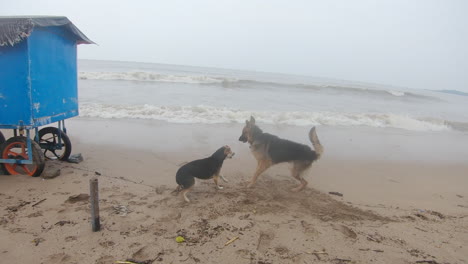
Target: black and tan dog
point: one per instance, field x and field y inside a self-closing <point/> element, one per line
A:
<point x="269" y="150"/>
<point x="208" y="168"/>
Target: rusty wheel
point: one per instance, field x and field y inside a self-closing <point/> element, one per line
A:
<point x="17" y="148"/>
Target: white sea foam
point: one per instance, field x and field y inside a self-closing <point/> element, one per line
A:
<point x="151" y="77"/>
<point x="212" y="115"/>
<point x="147" y="76"/>
<point x="396" y="93"/>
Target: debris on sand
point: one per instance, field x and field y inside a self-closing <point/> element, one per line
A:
<point x="336" y="193"/>
<point x="317" y="254"/>
<point x="15" y="208"/>
<point x="75" y="158"/>
<point x="82" y="197"/>
<point x="348" y="232"/>
<point x="368" y="249"/>
<point x="132" y="261"/>
<point x="341" y="261"/>
<point x="51" y="173"/>
<point x="37" y="241"/>
<point x="180" y="239"/>
<point x="39" y="202"/>
<point x="121" y="210"/>
<point x="231" y="240"/>
<point x="441" y="216"/>
<point x="65" y="222"/>
<point x="427" y="261"/>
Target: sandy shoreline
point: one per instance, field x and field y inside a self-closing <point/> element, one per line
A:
<point x="405" y="200"/>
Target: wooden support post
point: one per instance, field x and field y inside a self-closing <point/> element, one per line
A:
<point x="94" y="199"/>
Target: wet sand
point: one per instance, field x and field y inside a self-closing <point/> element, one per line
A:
<point x="404" y="199"/>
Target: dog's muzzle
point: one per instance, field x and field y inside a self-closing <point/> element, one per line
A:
<point x="243" y="138"/>
<point x="231" y="155"/>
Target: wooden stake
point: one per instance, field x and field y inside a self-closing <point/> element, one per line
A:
<point x="94" y="199"/>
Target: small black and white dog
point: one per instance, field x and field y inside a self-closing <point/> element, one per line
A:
<point x="207" y="168"/>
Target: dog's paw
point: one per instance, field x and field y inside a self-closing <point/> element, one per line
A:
<point x="297" y="189"/>
<point x="220" y="187"/>
<point x="250" y="185"/>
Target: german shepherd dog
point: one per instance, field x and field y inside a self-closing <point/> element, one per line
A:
<point x="269" y="150"/>
<point x="207" y="168"/>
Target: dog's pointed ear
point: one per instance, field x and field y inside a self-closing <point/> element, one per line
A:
<point x="246" y="122"/>
<point x="252" y="120"/>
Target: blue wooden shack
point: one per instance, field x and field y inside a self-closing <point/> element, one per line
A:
<point x="38" y="70"/>
<point x="38" y="86"/>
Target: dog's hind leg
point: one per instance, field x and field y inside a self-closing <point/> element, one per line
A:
<point x="222" y="178"/>
<point x="187" y="185"/>
<point x="215" y="178"/>
<point x="262" y="166"/>
<point x="298" y="168"/>
<point x="184" y="194"/>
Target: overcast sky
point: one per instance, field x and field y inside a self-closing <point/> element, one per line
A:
<point x="416" y="44"/>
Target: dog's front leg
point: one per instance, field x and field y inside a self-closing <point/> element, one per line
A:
<point x="262" y="166"/>
<point x="215" y="178"/>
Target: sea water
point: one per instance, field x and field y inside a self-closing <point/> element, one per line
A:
<point x="187" y="94"/>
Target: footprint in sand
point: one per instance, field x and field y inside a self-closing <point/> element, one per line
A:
<point x="264" y="240"/>
<point x="36" y="214"/>
<point x="245" y="254"/>
<point x="309" y="229"/>
<point x="282" y="250"/>
<point x="70" y="238"/>
<point x="107" y="244"/>
<point x="348" y="232"/>
<point x="105" y="260"/>
<point x="58" y="258"/>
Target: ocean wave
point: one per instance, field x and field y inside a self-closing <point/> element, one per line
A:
<point x="396" y="93"/>
<point x="151" y="77"/>
<point x="218" y="115"/>
<point x="235" y="83"/>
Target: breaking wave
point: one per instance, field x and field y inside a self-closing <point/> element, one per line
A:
<point x="149" y="76"/>
<point x="226" y="82"/>
<point x="218" y="115"/>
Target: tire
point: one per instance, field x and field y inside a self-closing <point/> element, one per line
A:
<point x="2" y="138"/>
<point x="48" y="140"/>
<point x="17" y="148"/>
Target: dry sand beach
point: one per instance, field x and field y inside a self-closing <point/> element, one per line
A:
<point x="405" y="200"/>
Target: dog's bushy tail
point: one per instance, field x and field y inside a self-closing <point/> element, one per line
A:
<point x="315" y="142"/>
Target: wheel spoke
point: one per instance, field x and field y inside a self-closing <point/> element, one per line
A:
<point x="26" y="169"/>
<point x="22" y="149"/>
<point x="55" y="154"/>
<point x="12" y="153"/>
<point x="47" y="139"/>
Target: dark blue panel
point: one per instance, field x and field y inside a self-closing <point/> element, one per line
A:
<point x="52" y="52"/>
<point x="15" y="96"/>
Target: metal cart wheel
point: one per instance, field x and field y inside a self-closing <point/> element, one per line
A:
<point x="16" y="148"/>
<point x="49" y="142"/>
<point x="2" y="138"/>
